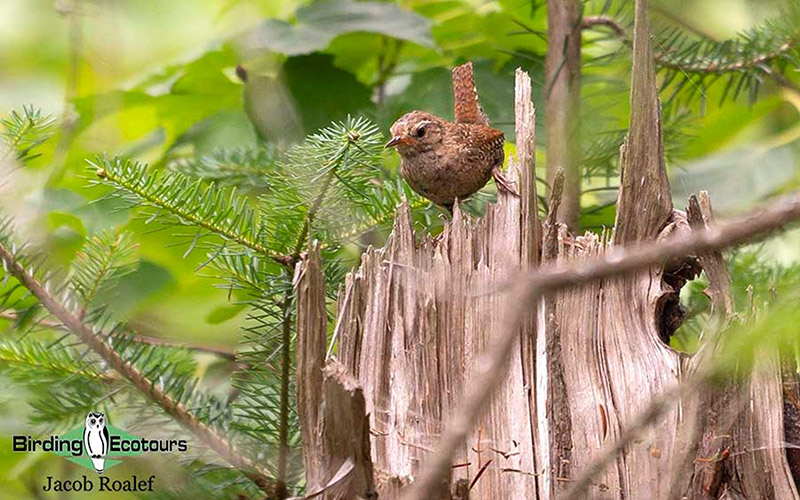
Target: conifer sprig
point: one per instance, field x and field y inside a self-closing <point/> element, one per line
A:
<point x="244" y="168"/>
<point x="216" y="211"/>
<point x="23" y="132"/>
<point x="104" y="259"/>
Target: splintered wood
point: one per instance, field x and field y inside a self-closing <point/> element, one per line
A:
<point x="413" y="320"/>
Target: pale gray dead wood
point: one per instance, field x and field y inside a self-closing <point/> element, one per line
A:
<point x="331" y="408"/>
<point x="525" y="135"/>
<point x="615" y="359"/>
<point x="616" y="263"/>
<point x="644" y="205"/>
<point x="719" y="289"/>
<point x="411" y="326"/>
<point x="559" y="418"/>
<point x="530" y="231"/>
<point x="733" y="432"/>
<point x="705" y="437"/>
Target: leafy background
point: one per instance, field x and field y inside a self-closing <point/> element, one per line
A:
<point x="158" y="82"/>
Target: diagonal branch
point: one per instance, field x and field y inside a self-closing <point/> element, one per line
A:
<point x="527" y="290"/>
<point x="174" y="409"/>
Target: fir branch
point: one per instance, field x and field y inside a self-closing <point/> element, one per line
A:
<point x="338" y="161"/>
<point x="244" y="168"/>
<point x="104" y="259"/>
<point x="138" y="338"/>
<point x="764" y="51"/>
<point x="221" y="212"/>
<point x="341" y="163"/>
<point x="39" y="363"/>
<point x="134" y="375"/>
<point x="22" y="132"/>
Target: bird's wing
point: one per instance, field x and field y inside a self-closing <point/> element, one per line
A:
<point x="467" y="107"/>
<point x="105" y="441"/>
<point x="484" y="146"/>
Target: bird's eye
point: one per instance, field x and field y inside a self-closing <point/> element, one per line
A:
<point x="92" y="421"/>
<point x="421" y="131"/>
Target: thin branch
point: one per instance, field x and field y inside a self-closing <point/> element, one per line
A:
<point x="712" y="67"/>
<point x="283" y="418"/>
<point x="527" y="289"/>
<point x="148" y="388"/>
<point x="590" y="22"/>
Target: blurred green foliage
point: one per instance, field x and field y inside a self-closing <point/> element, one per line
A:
<point x="223" y="90"/>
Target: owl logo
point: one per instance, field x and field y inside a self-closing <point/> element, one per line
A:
<point x="95" y="439"/>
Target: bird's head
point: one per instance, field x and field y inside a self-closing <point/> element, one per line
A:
<point x="416" y="132"/>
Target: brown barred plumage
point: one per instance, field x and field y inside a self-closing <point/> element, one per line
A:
<point x="444" y="161"/>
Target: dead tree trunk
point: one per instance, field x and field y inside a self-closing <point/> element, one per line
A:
<point x="562" y="105"/>
<point x="413" y="320"/>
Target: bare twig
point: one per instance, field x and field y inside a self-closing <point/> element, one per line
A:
<point x="590" y="22"/>
<point x="147" y="387"/>
<point x="283" y="418"/>
<point x="492" y="366"/>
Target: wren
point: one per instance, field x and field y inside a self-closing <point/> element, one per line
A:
<point x="444" y="161"/>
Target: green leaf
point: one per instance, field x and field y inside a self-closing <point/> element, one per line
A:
<point x="173" y="100"/>
<point x="341" y="95"/>
<point x="133" y="290"/>
<point x="224" y="313"/>
<point x="319" y="23"/>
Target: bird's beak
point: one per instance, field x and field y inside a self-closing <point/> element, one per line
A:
<point x="395" y="141"/>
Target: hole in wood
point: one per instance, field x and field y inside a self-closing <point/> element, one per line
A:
<point x="670" y="314"/>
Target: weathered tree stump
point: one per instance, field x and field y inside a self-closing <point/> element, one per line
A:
<point x="413" y="320"/>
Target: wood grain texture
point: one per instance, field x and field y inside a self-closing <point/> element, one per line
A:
<point x="700" y="215"/>
<point x="331" y="407"/>
<point x="644" y="205"/>
<point x="412" y="328"/>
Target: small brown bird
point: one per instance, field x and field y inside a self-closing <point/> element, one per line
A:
<point x="444" y="161"/>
